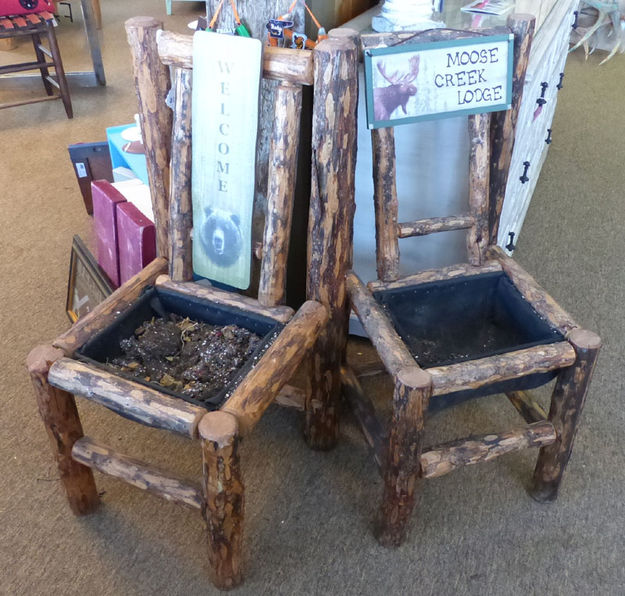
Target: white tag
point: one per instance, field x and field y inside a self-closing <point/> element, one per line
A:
<point x="81" y="170"/>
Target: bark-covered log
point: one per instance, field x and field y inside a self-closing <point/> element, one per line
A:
<point x="282" y="314"/>
<point x="413" y="388"/>
<point x="331" y="228"/>
<point x="433" y="225"/>
<point x="131" y="400"/>
<point x="527" y="406"/>
<point x="275" y="368"/>
<point x="479" y="173"/>
<point x="567" y="402"/>
<point x="224" y="497"/>
<point x="395" y="38"/>
<point x="451" y="272"/>
<point x="152" y="84"/>
<point x="486" y="371"/>
<point x="180" y="205"/>
<point x="280" y="194"/>
<point x="109" y="309"/>
<point x="100" y="457"/>
<point x="390" y="347"/>
<point x="60" y="417"/>
<point x="385" y="202"/>
<point x="504" y="123"/>
<point x="291" y="397"/>
<point x="445" y="458"/>
<point x="542" y="302"/>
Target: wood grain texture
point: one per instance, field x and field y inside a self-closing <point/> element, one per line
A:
<point x="224" y="498"/>
<point x="280" y="194"/>
<point x="527" y="406"/>
<point x="542" y="302"/>
<point x="395" y="38"/>
<point x="110" y="309"/>
<point x="413" y="388"/>
<point x="512" y="365"/>
<point x="330" y="228"/>
<point x="127" y="398"/>
<point x="98" y="456"/>
<point x="58" y="411"/>
<point x="445" y="458"/>
<point x="567" y="403"/>
<point x="503" y="124"/>
<point x="152" y="84"/>
<point x="385" y="203"/>
<point x="180" y="206"/>
<point x="479" y="174"/>
<point x="433" y="225"/>
<point x="282" y="314"/>
<point x="275" y="368"/>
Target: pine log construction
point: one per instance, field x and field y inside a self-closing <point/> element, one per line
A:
<point x="385" y="202"/>
<point x="152" y="83"/>
<point x="262" y="384"/>
<point x="442" y="459"/>
<point x="223" y="508"/>
<point x="280" y="194"/>
<point x="504" y="123"/>
<point x="109" y="309"/>
<point x="486" y="371"/>
<point x="180" y="205"/>
<point x="527" y="406"/>
<point x="60" y="417"/>
<point x="567" y="402"/>
<point x="434" y="225"/>
<point x="542" y="302"/>
<point x="100" y="457"/>
<point x="413" y="388"/>
<point x="330" y="227"/>
<point x="282" y="314"/>
<point x="479" y="159"/>
<point x="282" y="64"/>
<point x="129" y="399"/>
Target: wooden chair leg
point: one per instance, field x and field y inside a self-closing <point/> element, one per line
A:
<point x="413" y="388"/>
<point x="567" y="402"/>
<point x="41" y="57"/>
<point x="60" y="417"/>
<point x="224" y="497"/>
<point x="60" y="71"/>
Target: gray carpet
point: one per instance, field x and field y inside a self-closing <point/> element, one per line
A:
<point x="308" y="515"/>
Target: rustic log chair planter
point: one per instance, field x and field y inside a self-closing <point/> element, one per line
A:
<point x="405" y="316"/>
<point x="58" y="375"/>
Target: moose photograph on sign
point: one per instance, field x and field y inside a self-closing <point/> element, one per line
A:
<point x="412" y="82"/>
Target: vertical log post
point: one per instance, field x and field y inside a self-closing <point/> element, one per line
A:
<point x="567" y="403"/>
<point x="330" y="228"/>
<point x="224" y="498"/>
<point x="60" y="417"/>
<point x="504" y="123"/>
<point x="152" y="85"/>
<point x="180" y="207"/>
<point x="413" y="388"/>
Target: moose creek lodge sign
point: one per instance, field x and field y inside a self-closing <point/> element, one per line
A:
<point x="425" y="81"/>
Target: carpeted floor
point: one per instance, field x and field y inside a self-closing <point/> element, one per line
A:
<point x="308" y="515"/>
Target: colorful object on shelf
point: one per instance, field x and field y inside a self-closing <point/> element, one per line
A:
<point x="19" y="7"/>
<point x="280" y="30"/>
<point x="240" y="29"/>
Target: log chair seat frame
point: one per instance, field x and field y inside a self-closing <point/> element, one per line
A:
<point x="570" y="353"/>
<point x="57" y="376"/>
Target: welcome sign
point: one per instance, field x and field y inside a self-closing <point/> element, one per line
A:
<point x="413" y="82"/>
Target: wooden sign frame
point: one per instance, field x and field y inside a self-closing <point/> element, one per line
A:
<point x="470" y="84"/>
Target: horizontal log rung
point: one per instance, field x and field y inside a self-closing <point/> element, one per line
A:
<point x="444" y="458"/>
<point x="136" y="472"/>
<point x="29" y="101"/>
<point x="433" y="225"/>
<point x="9" y="68"/>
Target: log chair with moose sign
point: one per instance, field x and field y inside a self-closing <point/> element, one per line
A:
<point x="73" y="363"/>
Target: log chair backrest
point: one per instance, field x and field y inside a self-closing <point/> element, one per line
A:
<point x="491" y="142"/>
<point x="167" y="140"/>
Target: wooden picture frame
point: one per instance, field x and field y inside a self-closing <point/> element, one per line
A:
<point x="87" y="284"/>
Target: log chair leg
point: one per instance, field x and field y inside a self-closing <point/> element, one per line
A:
<point x="413" y="388"/>
<point x="60" y="417"/>
<point x="224" y="497"/>
<point x="567" y="402"/>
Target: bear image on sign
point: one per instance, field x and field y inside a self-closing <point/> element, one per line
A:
<point x="221" y="237"/>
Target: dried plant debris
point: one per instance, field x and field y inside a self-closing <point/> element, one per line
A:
<point x="188" y="357"/>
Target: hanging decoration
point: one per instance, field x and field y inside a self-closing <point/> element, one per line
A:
<point x="240" y="29"/>
<point x="281" y="34"/>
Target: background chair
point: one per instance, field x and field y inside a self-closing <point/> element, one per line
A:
<point x="58" y="372"/>
<point x="463" y="331"/>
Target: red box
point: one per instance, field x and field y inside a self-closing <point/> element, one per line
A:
<point x="136" y="240"/>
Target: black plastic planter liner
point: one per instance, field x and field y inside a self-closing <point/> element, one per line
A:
<point x="468" y="318"/>
<point x="104" y="346"/>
